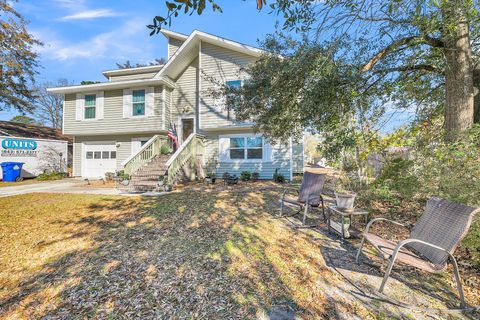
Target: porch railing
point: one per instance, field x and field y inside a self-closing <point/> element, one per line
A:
<point x="190" y="149"/>
<point x="149" y="150"/>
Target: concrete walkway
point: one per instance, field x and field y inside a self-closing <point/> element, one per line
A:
<point x="60" y="186"/>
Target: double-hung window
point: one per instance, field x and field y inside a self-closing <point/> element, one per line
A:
<point x="138" y="102"/>
<point x="90" y="106"/>
<point x="246" y="148"/>
<point x="234" y="86"/>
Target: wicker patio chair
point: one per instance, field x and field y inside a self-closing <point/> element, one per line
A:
<point x="309" y="195"/>
<point x="432" y="240"/>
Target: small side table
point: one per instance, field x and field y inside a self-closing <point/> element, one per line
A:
<point x="346" y="219"/>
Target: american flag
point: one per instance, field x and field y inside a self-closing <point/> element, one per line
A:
<point x="172" y="134"/>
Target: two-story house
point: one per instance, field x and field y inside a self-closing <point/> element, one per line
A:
<point x="115" y="123"/>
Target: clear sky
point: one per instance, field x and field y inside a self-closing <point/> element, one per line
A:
<point x="82" y="38"/>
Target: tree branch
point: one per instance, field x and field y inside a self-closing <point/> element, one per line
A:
<point x="417" y="67"/>
<point x="400" y="43"/>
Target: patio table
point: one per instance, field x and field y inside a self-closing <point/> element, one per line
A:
<point x="346" y="218"/>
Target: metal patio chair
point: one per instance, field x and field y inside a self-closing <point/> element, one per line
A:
<point x="309" y="195"/>
<point x="432" y="240"/>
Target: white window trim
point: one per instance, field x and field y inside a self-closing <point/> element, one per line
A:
<point x="96" y="106"/>
<point x="244" y="135"/>
<point x="220" y="103"/>
<point x="144" y="115"/>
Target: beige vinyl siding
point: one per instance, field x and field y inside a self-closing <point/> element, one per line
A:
<point x="148" y="75"/>
<point x="266" y="169"/>
<point x="186" y="92"/>
<point x="113" y="121"/>
<point x="173" y="45"/>
<point x="168" y="108"/>
<point x="124" y="149"/>
<point x="297" y="157"/>
<point x="223" y="65"/>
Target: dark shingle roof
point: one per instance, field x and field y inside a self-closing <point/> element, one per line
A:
<point x="15" y="129"/>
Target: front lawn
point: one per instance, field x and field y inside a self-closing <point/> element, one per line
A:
<point x="204" y="255"/>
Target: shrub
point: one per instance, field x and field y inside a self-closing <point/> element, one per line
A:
<point x="278" y="177"/>
<point x="52" y="176"/>
<point x="121" y="174"/>
<point x="449" y="169"/>
<point x="255" y="176"/>
<point x="245" y="175"/>
<point x="164" y="149"/>
<point x="398" y="176"/>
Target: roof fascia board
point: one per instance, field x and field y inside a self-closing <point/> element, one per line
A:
<point x="111" y="85"/>
<point x="172" y="34"/>
<point x="176" y="54"/>
<point x="138" y="70"/>
<point x="230" y="44"/>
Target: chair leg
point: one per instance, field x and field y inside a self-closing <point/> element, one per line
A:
<point x="360" y="249"/>
<point x="323" y="210"/>
<point x="459" y="282"/>
<point x="389" y="270"/>
<point x="305" y="211"/>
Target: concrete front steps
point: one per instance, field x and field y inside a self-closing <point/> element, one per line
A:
<point x="146" y="179"/>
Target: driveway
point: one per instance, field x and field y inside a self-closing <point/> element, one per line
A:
<point x="59" y="186"/>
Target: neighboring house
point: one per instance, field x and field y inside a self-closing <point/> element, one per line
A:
<point x="114" y="122"/>
<point x="39" y="148"/>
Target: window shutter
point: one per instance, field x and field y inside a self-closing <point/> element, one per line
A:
<point x="79" y="105"/>
<point x="149" y="101"/>
<point x="223" y="146"/>
<point x="267" y="150"/>
<point x="99" y="103"/>
<point x="127" y="103"/>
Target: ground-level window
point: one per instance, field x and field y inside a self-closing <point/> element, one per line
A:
<point x="90" y="106"/>
<point x="138" y="102"/>
<point x="246" y="148"/>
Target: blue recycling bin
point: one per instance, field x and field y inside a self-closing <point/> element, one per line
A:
<point x="12" y="171"/>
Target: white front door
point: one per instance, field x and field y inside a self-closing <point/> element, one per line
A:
<point x="99" y="158"/>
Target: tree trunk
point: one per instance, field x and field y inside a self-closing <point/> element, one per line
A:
<point x="458" y="73"/>
<point x="476" y="99"/>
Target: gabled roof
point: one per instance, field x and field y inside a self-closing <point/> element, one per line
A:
<point x="174" y="66"/>
<point x="189" y="50"/>
<point x="23" y="130"/>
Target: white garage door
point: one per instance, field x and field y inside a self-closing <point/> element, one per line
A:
<point x="98" y="159"/>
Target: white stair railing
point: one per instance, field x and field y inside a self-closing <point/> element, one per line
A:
<point x="149" y="150"/>
<point x="187" y="153"/>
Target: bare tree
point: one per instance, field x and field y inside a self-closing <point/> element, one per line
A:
<point x="127" y="64"/>
<point x="49" y="106"/>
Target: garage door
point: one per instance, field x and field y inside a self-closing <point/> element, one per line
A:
<point x="98" y="159"/>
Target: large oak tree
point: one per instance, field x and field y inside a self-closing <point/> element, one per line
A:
<point x="420" y="49"/>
